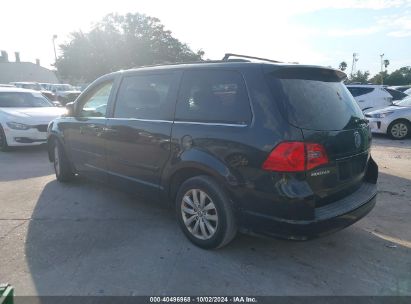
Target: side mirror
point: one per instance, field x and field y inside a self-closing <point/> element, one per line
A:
<point x="70" y="109"/>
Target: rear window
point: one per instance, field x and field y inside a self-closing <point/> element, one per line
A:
<point x="315" y="104"/>
<point x="355" y="91"/>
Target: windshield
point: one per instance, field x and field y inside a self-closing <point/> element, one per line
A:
<point x="406" y="102"/>
<point x="316" y="104"/>
<point x="23" y="100"/>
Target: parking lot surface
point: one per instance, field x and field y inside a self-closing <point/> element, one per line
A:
<point x="85" y="238"/>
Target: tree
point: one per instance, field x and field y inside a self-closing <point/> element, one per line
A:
<point x="120" y="42"/>
<point x="359" y="76"/>
<point x="378" y="78"/>
<point x="401" y="76"/>
<point x="343" y="66"/>
<point x="386" y="63"/>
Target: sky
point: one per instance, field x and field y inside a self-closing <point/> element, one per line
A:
<point x="322" y="32"/>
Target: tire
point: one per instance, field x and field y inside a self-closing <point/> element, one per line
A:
<point x="211" y="225"/>
<point x="3" y="140"/>
<point x="399" y="129"/>
<point x="62" y="167"/>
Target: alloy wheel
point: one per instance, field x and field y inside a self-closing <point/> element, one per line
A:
<point x="2" y="139"/>
<point x="199" y="214"/>
<point x="399" y="130"/>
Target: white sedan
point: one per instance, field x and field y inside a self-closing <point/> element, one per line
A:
<point x="24" y="117"/>
<point x="395" y="120"/>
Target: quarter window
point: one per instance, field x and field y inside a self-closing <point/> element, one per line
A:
<point x="95" y="104"/>
<point x="146" y="97"/>
<point x="213" y="96"/>
<point x="356" y="91"/>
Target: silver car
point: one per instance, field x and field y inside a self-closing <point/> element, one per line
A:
<point x="395" y="120"/>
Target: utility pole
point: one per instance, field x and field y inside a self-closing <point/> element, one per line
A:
<point x="382" y="70"/>
<point x="54" y="47"/>
<point x="354" y="60"/>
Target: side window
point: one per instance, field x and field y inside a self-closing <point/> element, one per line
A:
<point x="146" y="97"/>
<point x="213" y="96"/>
<point x="95" y="104"/>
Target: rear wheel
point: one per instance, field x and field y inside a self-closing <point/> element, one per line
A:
<point x="399" y="129"/>
<point x="61" y="164"/>
<point x="205" y="213"/>
<point x="3" y="140"/>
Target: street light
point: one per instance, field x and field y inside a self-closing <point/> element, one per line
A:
<point x="382" y="64"/>
<point x="354" y="60"/>
<point x="54" y="47"/>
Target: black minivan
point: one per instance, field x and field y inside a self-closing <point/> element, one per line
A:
<point x="266" y="148"/>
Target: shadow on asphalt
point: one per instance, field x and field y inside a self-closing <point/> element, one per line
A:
<point x="87" y="239"/>
<point x="29" y="163"/>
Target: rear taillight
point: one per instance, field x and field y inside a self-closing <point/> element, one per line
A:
<point x="295" y="156"/>
<point x="316" y="155"/>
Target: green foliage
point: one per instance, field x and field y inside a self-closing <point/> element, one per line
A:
<point x="359" y="76"/>
<point x="377" y="78"/>
<point x="343" y="66"/>
<point x="386" y="63"/>
<point x="120" y="42"/>
<point x="401" y="76"/>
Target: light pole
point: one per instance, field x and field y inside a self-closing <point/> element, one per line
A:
<point x="354" y="60"/>
<point x="382" y="71"/>
<point x="54" y="47"/>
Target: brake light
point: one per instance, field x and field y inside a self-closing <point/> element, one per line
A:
<point x="295" y="156"/>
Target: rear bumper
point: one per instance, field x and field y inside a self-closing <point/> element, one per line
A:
<point x="328" y="219"/>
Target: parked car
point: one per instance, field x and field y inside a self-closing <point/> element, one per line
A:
<point x="24" y="116"/>
<point x="35" y="86"/>
<point x="401" y="88"/>
<point x="395" y="121"/>
<point x="370" y="97"/>
<point x="274" y="149"/>
<point x="65" y="93"/>
<point x="396" y="95"/>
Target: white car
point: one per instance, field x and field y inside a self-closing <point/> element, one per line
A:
<point x="370" y="97"/>
<point x="395" y="121"/>
<point x="24" y="117"/>
<point x="408" y="91"/>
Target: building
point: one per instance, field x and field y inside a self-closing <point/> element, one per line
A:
<point x="24" y="71"/>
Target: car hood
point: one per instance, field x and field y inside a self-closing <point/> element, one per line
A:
<point x="390" y="109"/>
<point x="33" y="115"/>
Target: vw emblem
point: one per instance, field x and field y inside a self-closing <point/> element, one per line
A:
<point x="357" y="139"/>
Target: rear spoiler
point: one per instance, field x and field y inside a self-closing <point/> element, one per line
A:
<point x="306" y="73"/>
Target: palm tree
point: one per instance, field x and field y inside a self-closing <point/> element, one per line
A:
<point x="343" y="66"/>
<point x="386" y="63"/>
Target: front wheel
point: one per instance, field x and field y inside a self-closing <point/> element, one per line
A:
<point x="3" y="140"/>
<point x="61" y="164"/>
<point x="205" y="213"/>
<point x="399" y="129"/>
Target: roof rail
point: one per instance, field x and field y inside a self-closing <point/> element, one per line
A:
<point x="189" y="62"/>
<point x="228" y="55"/>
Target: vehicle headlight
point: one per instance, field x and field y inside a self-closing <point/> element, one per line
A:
<point x="382" y="115"/>
<point x="17" y="126"/>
